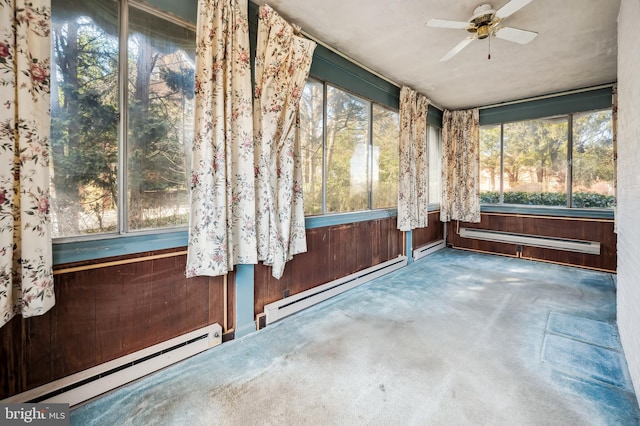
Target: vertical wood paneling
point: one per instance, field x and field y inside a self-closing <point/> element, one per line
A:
<point x="332" y="252"/>
<point x="74" y="324"/>
<point x="216" y="295"/>
<point x="115" y="314"/>
<point x="570" y="228"/>
<point x="104" y="313"/>
<point x="135" y="317"/>
<point x="37" y="348"/>
<point x="395" y="239"/>
<point x="365" y="252"/>
<point x="11" y="374"/>
<point x="167" y="302"/>
<point x="344" y="250"/>
<point x="304" y="271"/>
<point x="433" y="232"/>
<point x="314" y="265"/>
<point x="196" y="307"/>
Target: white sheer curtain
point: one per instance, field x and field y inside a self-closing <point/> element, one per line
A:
<point x="222" y="221"/>
<point x="283" y="60"/>
<point x="26" y="277"/>
<point x="460" y="166"/>
<point x="413" y="179"/>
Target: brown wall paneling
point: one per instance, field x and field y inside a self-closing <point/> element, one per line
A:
<point x="345" y="246"/>
<point x="103" y="313"/>
<point x="25" y="342"/>
<point x="11" y="356"/>
<point x="601" y="231"/>
<point x="433" y="232"/>
<point x="391" y="240"/>
<point x="304" y="271"/>
<point x="36" y="347"/>
<point x="571" y="228"/>
<point x="332" y="252"/>
<point x="216" y="298"/>
<point x="500" y="223"/>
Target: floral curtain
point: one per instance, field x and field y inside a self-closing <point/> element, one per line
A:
<point x="413" y="179"/>
<point x="283" y="60"/>
<point x="222" y="222"/>
<point x="26" y="277"/>
<point x="460" y="166"/>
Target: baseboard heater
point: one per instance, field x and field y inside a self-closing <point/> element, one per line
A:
<point x="297" y="302"/>
<point x="428" y="249"/>
<point x="84" y="385"/>
<point x="580" y="246"/>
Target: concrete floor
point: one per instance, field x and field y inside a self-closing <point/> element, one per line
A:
<point x="456" y="338"/>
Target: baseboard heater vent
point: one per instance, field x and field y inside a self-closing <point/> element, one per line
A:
<point x="580" y="246"/>
<point x="292" y="304"/>
<point x="84" y="385"/>
<point x="428" y="249"/>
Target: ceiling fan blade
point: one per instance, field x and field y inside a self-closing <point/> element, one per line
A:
<point x="515" y="35"/>
<point x="510" y="8"/>
<point x="453" y="52"/>
<point x="443" y="23"/>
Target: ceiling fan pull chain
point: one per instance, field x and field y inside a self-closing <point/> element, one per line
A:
<point x="489" y="55"/>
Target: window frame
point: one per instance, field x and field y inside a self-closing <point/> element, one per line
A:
<point x="122" y="225"/>
<point x="370" y="142"/>
<point x="545" y="210"/>
<point x="371" y="103"/>
<point x="327" y="66"/>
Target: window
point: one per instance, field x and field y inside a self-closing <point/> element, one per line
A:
<point x="106" y="179"/>
<point x="593" y="169"/>
<point x="384" y="172"/>
<point x="346" y="148"/>
<point x="311" y="142"/>
<point x="349" y="151"/>
<point x="557" y="161"/>
<point x="434" y="139"/>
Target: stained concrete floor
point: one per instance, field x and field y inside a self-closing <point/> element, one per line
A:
<point x="456" y="338"/>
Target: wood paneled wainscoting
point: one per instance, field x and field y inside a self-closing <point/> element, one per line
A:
<point x="432" y="233"/>
<point x="332" y="252"/>
<point x="106" y="309"/>
<point x="571" y="228"/>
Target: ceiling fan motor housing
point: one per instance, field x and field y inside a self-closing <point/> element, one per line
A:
<point x="481" y="20"/>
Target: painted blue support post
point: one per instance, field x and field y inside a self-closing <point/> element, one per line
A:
<point x="245" y="322"/>
<point x="409" y="247"/>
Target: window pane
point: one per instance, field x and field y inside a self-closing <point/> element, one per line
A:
<point x="435" y="164"/>
<point x="84" y="119"/>
<point x="593" y="168"/>
<point x="384" y="173"/>
<point x="535" y="162"/>
<point x="160" y="121"/>
<point x="490" y="164"/>
<point x="347" y="156"/>
<point x="311" y="129"/>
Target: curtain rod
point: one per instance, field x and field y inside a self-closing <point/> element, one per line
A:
<point x="353" y="61"/>
<point x="551" y="95"/>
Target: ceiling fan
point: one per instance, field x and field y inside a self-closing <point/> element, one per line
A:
<point x="486" y="22"/>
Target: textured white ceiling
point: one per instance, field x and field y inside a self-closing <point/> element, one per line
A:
<point x="575" y="47"/>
